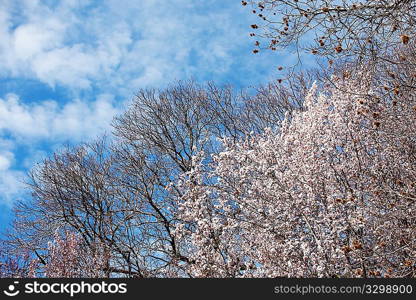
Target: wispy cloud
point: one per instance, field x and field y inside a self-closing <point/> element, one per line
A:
<point x="27" y="127"/>
<point x="11" y="181"/>
<point x="121" y="44"/>
<point x="75" y="120"/>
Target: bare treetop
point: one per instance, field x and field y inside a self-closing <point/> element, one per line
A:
<point x="334" y="29"/>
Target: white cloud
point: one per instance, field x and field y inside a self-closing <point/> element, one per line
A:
<point x="11" y="181"/>
<point x="71" y="66"/>
<point x="26" y="126"/>
<point x="30" y="40"/>
<point x="74" y="121"/>
<point x="5" y="160"/>
<point x="51" y="45"/>
<point x="11" y="185"/>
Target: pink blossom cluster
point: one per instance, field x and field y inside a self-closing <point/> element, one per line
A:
<point x="67" y="257"/>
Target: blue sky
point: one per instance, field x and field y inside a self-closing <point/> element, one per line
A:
<point x="67" y="67"/>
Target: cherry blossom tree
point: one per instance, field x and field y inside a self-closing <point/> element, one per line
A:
<point x="65" y="257"/>
<point x="12" y="265"/>
<point x="68" y="257"/>
<point x="330" y="194"/>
